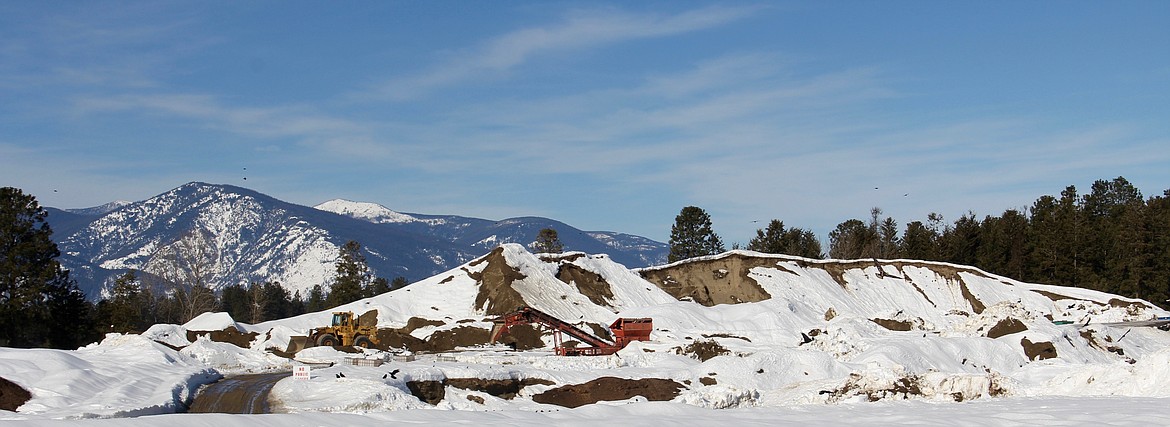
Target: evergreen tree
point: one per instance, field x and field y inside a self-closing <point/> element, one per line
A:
<point x="127" y="307"/>
<point x="547" y="242"/>
<point x="37" y="296"/>
<point x="377" y="287"/>
<point x="919" y="242"/>
<point x="692" y="236"/>
<point x="353" y="275"/>
<point x="770" y="240"/>
<point x="235" y="300"/>
<point x="316" y="300"/>
<point x="851" y="239"/>
<point x="398" y="283"/>
<point x="775" y="239"/>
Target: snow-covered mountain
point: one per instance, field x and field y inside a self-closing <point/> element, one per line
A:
<point x="255" y="238"/>
<point x="484" y="235"/>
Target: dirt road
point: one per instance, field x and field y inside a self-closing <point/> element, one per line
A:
<point x="240" y="394"/>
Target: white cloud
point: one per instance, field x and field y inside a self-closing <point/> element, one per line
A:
<point x="580" y="30"/>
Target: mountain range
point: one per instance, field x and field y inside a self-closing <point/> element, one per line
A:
<point x="254" y="237"/>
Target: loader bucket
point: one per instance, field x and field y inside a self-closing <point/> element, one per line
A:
<point x="298" y="343"/>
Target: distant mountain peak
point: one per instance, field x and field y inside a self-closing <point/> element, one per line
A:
<point x="371" y="212"/>
<point x="101" y="209"/>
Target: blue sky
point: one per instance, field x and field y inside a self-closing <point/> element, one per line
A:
<point x="607" y="116"/>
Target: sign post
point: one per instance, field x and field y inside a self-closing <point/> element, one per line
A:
<point x="300" y="372"/>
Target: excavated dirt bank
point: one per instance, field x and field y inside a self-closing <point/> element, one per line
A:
<point x="590" y="284"/>
<point x="12" y="396"/>
<point x="709" y="282"/>
<point x="496" y="295"/>
<point x="433" y="391"/>
<point x="610" y="389"/>
<point x="522" y="337"/>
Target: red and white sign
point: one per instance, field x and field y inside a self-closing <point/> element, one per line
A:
<point x="300" y="372"/>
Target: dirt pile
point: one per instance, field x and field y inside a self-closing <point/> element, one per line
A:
<point x="229" y="335"/>
<point x="496" y="295"/>
<point x="590" y="284"/>
<point x="12" y="396"/>
<point x="610" y="389"/>
<point x="433" y="391"/>
<point x="1038" y="350"/>
<point x="522" y="337"/>
<point x="1006" y="326"/>
<point x="722" y="280"/>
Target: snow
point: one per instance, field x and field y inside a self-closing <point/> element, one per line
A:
<point x="771" y="374"/>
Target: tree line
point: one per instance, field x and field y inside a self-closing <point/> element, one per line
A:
<point x="1110" y="239"/>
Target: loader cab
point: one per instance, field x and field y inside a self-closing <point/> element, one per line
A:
<point x="341" y="318"/>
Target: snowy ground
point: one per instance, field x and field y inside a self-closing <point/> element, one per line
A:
<point x="947" y="368"/>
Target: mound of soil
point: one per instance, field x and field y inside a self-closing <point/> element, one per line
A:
<point x="893" y="325"/>
<point x="399" y="338"/>
<point x="610" y="389"/>
<point x="463" y="336"/>
<point x="522" y="337"/>
<point x="434" y="392"/>
<point x="229" y="335"/>
<point x="709" y="282"/>
<point x="1006" y="327"/>
<point x="590" y="284"/>
<point x="1038" y="350"/>
<point x="418" y="322"/>
<point x="496" y="295"/>
<point x="12" y="396"/>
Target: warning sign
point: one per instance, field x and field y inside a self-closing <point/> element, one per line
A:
<point x="300" y="372"/>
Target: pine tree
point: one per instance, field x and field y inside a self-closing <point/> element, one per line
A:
<point x="353" y="275"/>
<point x="547" y="242"/>
<point x="692" y="236"/>
<point x="770" y="240"/>
<point x="398" y="283"/>
<point x="37" y="296"/>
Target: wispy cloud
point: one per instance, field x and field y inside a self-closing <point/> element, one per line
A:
<point x="580" y="30"/>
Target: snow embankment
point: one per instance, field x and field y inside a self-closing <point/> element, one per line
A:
<point x="124" y="375"/>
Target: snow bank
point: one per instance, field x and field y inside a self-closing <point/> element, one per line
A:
<point x="124" y="375"/>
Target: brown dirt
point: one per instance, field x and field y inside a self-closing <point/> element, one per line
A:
<point x="894" y="325"/>
<point x="1006" y="327"/>
<point x="431" y="391"/>
<point x="590" y="284"/>
<point x="434" y="391"/>
<point x="1053" y="296"/>
<point x="708" y="381"/>
<point x="12" y="396"/>
<point x="418" y="322"/>
<point x="599" y="331"/>
<point x="1092" y="339"/>
<point x="610" y="389"/>
<point x="496" y="295"/>
<point x="397" y="338"/>
<point x="504" y="389"/>
<point x="703" y="282"/>
<point x="976" y="305"/>
<point x="1038" y="350"/>
<point x="830" y="314"/>
<point x="702" y="350"/>
<point x="522" y="337"/>
<point x="475" y="399"/>
<point x="229" y="335"/>
<point x="463" y="336"/>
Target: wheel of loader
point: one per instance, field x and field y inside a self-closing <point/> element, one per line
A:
<point x="327" y="340"/>
<point x="363" y="342"/>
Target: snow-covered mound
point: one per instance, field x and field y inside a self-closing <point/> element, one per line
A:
<point x="371" y="212"/>
<point x="124" y="375"/>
